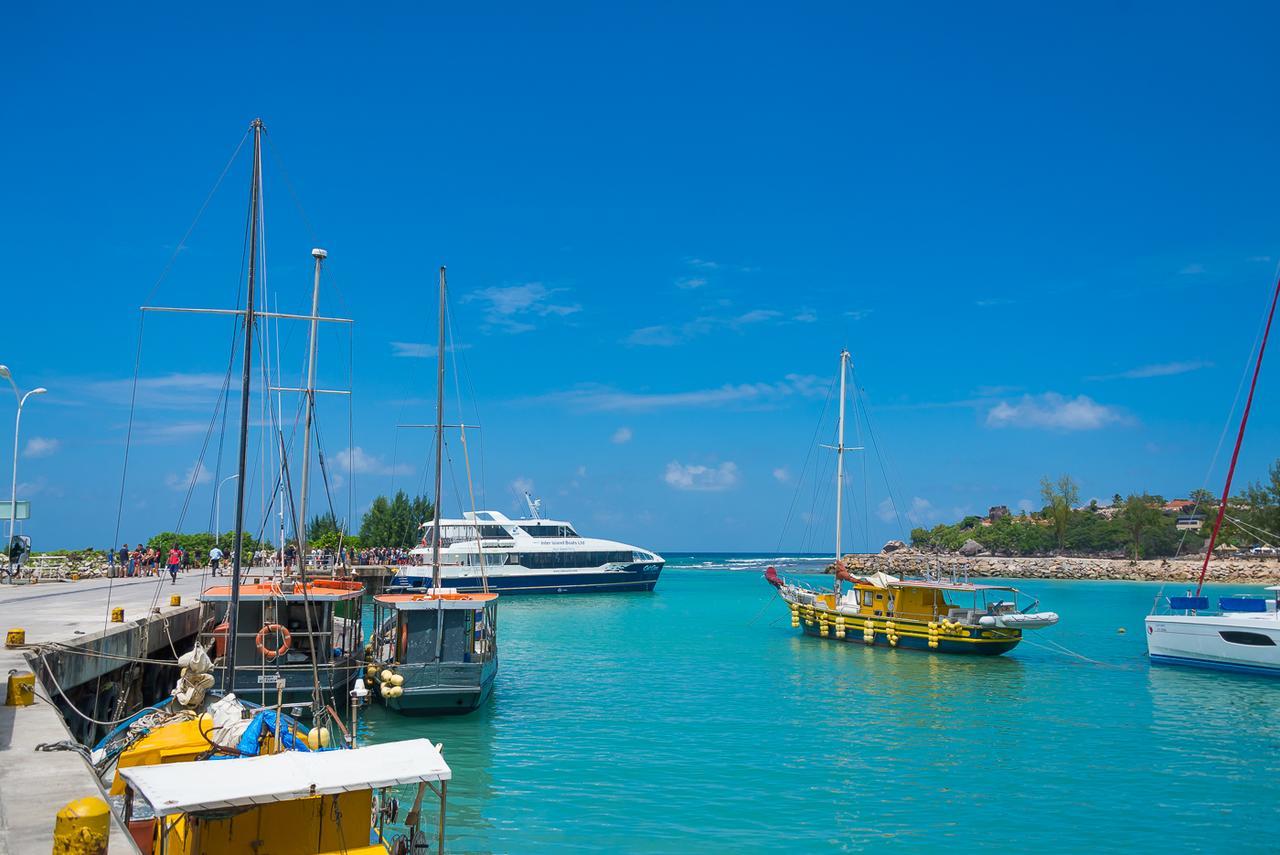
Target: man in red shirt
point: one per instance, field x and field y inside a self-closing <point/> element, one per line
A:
<point x="175" y="560"/>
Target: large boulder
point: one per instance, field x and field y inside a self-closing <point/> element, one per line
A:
<point x="971" y="548"/>
<point x="892" y="546"/>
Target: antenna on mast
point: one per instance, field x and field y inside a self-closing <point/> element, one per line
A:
<point x="535" y="505"/>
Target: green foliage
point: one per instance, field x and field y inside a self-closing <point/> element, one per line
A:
<point x="1141" y="518"/>
<point x="330" y="540"/>
<point x="1059" y="499"/>
<point x="321" y="525"/>
<point x="198" y="544"/>
<point x="394" y="523"/>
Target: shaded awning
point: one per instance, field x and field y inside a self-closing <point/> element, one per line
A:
<point x="201" y="785"/>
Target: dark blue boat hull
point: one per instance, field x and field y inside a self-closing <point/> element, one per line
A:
<point x="634" y="577"/>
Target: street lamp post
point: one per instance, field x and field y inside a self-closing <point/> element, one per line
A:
<point x="217" y="510"/>
<point x="17" y="424"/>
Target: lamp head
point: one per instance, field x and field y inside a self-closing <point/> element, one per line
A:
<point x="4" y="372"/>
<point x="39" y="390"/>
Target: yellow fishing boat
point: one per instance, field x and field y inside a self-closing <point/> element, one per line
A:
<point x="937" y="615"/>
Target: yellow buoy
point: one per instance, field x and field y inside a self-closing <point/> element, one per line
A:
<point x="386" y="687"/>
<point x="386" y="674"/>
<point x="397" y="679"/>
<point x="396" y="691"/>
<point x="82" y="828"/>
<point x="322" y="736"/>
<point x="371" y="671"/>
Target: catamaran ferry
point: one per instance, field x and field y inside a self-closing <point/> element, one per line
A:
<point x="527" y="556"/>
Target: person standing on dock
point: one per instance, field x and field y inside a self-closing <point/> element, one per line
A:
<point x="215" y="555"/>
<point x="175" y="561"/>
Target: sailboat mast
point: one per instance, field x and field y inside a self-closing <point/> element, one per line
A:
<point x="844" y="358"/>
<point x="435" y="540"/>
<point x="1235" y="455"/>
<point x="320" y="255"/>
<point x="245" y="381"/>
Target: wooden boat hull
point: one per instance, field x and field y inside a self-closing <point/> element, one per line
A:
<point x="444" y="689"/>
<point x="907" y="634"/>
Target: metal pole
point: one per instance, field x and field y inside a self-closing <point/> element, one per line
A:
<point x="435" y="541"/>
<point x="319" y="255"/>
<point x="245" y="381"/>
<point x="844" y="357"/>
<point x="444" y="790"/>
<point x="217" y="510"/>
<point x="13" y="493"/>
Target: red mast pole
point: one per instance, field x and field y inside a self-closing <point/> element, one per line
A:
<point x="1244" y="420"/>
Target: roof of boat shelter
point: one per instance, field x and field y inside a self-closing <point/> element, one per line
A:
<point x="201" y="785"/>
<point x="426" y="600"/>
<point x="949" y="586"/>
<point x="317" y="590"/>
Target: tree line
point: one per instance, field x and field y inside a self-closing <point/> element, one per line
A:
<point x="1133" y="525"/>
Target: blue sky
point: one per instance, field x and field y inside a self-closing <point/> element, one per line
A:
<point x="1047" y="237"/>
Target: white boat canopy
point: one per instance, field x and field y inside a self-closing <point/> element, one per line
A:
<point x="215" y="784"/>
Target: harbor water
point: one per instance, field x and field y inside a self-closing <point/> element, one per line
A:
<point x="696" y="719"/>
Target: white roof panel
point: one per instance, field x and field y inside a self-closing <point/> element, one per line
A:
<point x="212" y="784"/>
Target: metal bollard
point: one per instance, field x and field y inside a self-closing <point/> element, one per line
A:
<point x="22" y="689"/>
<point x="175" y="600"/>
<point x="82" y="828"/>
<point x="117" y="615"/>
<point x="15" y="637"/>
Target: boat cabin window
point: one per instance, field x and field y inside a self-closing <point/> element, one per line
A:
<point x="1252" y="639"/>
<point x="451" y="534"/>
<point x="468" y="635"/>
<point x="555" y="560"/>
<point x="549" y="530"/>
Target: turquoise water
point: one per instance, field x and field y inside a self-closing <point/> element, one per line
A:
<point x="696" y="719"/>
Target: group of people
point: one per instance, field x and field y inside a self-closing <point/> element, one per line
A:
<point x="382" y="555"/>
<point x="143" y="560"/>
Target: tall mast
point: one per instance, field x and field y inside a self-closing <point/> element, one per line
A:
<point x="301" y="525"/>
<point x="1235" y="455"/>
<point x="844" y="359"/>
<point x="435" y="540"/>
<point x="245" y="381"/>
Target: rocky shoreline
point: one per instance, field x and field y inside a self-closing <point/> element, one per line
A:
<point x="906" y="562"/>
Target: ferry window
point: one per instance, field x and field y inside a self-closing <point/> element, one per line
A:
<point x="493" y="531"/>
<point x="549" y="531"/>
<point x="1253" y="639"/>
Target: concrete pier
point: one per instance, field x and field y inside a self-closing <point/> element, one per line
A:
<point x="34" y="785"/>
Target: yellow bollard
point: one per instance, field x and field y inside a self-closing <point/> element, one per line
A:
<point x="21" y="691"/>
<point x="175" y="600"/>
<point x="15" y="637"/>
<point x="117" y="615"/>
<point x="82" y="828"/>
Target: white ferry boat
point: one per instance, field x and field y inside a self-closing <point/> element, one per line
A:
<point x="527" y="556"/>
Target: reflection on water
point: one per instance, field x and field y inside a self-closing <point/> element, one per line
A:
<point x="694" y="718"/>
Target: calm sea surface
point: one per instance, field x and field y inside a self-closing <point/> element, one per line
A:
<point x="695" y="719"/>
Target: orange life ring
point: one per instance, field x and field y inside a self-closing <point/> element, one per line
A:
<point x="286" y="640"/>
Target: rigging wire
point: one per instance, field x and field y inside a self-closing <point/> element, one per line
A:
<point x="813" y="444"/>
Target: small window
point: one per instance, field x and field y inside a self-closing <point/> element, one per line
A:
<point x="1252" y="639"/>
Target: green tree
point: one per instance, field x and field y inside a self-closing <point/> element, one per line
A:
<point x="1059" y="499"/>
<point x="1139" y="518"/>
<point x="394" y="522"/>
<point x="321" y="525"/>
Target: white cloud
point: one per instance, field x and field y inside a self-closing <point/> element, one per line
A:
<point x="988" y="302"/>
<point x="782" y="474"/>
<point x="412" y="350"/>
<point x="41" y="446"/>
<point x="178" y="391"/>
<point x="621" y="436"/>
<point x="704" y="264"/>
<point x="582" y="472"/>
<point x="885" y="510"/>
<point x="666" y="335"/>
<point x="1192" y="270"/>
<point x="1160" y="369"/>
<point x="688" y="283"/>
<point x="606" y="399"/>
<point x="196" y="473"/>
<point x="361" y="462"/>
<point x="512" y="307"/>
<point x="701" y="478"/>
<point x="1026" y="505"/>
<point x="858" y="314"/>
<point x="805" y="316"/>
<point x="522" y="485"/>
<point x="1054" y="412"/>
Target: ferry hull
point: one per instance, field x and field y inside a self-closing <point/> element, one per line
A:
<point x="642" y="577"/>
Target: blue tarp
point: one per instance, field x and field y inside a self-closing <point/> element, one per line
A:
<point x="263" y="723"/>
<point x="1198" y="603"/>
<point x="1242" y="604"/>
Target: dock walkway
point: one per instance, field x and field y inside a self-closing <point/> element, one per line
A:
<point x="35" y="785"/>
